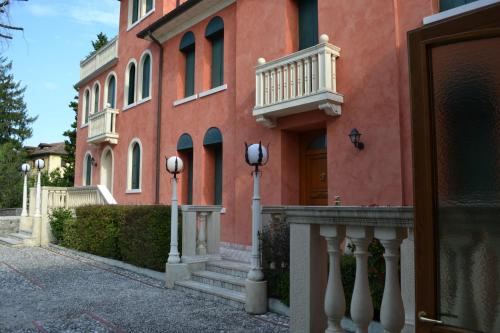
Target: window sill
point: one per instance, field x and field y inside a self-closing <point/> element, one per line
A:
<point x="133" y="25"/>
<point x="84" y="125"/>
<point x="133" y="105"/>
<point x="212" y="91"/>
<point x="133" y="191"/>
<point x="458" y="10"/>
<point x="186" y="100"/>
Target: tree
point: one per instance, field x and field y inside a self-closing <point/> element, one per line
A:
<point x="11" y="179"/>
<point x="5" y="26"/>
<point x="99" y="43"/>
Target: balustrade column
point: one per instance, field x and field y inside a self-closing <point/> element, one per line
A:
<point x="334" y="296"/>
<point x="392" y="313"/>
<point x="202" y="238"/>
<point x="361" y="303"/>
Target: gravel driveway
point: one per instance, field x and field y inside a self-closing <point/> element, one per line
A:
<point x="48" y="290"/>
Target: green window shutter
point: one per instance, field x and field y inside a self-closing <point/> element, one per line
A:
<point x="136" y="166"/>
<point x="149" y="5"/>
<point x="449" y="4"/>
<point x="146" y="76"/>
<point x="218" y="61"/>
<point x="189" y="80"/>
<point x="96" y="98"/>
<point x="190" y="177"/>
<point x="111" y="91"/>
<point x="135" y="10"/>
<point x="131" y="85"/>
<point x="308" y="23"/>
<point x="218" y="175"/>
<point x="87" y="106"/>
<point x="88" y="171"/>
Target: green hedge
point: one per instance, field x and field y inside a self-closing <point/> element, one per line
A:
<point x="139" y="235"/>
<point x="57" y="219"/>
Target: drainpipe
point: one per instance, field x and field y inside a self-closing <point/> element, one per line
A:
<point x="158" y="119"/>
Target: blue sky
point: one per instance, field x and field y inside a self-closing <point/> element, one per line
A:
<point x="46" y="57"/>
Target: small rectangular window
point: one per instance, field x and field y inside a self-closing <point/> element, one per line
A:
<point x="149" y="5"/>
<point x="449" y="4"/>
<point x="135" y="10"/>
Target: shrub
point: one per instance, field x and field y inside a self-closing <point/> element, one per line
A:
<point x="58" y="218"/>
<point x="139" y="235"/>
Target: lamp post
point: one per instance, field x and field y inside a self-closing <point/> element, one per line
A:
<point x="174" y="166"/>
<point x="256" y="155"/>
<point x="39" y="165"/>
<point x="25" y="168"/>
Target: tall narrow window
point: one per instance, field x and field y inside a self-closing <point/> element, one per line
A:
<point x="213" y="145"/>
<point x="146" y="76"/>
<point x="449" y="4"/>
<point x="130" y="91"/>
<point x="308" y="23"/>
<point x="135" y="10"/>
<point x="136" y="166"/>
<point x="149" y="5"/>
<point x="112" y="91"/>
<point x="185" y="150"/>
<point x="188" y="48"/>
<point x="88" y="170"/>
<point x="96" y="98"/>
<point x="86" y="106"/>
<point x="215" y="33"/>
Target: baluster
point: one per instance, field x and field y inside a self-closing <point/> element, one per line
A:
<point x="392" y="313"/>
<point x="300" y="79"/>
<point x="280" y="84"/>
<point x="314" y="73"/>
<point x="266" y="90"/>
<point x="258" y="89"/>
<point x="334" y="74"/>
<point x="273" y="86"/>
<point x="285" y="82"/>
<point x="334" y="294"/>
<point x="202" y="238"/>
<point x="293" y="81"/>
<point x="307" y="76"/>
<point x="361" y="303"/>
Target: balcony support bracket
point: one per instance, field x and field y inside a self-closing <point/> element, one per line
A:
<point x="331" y="109"/>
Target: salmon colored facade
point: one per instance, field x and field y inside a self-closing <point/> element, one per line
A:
<point x="371" y="74"/>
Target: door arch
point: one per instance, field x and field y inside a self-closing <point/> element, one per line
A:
<point x="107" y="160"/>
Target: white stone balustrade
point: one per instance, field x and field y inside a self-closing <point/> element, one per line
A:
<point x="100" y="59"/>
<point x="200" y="233"/>
<point x="102" y="127"/>
<point x="317" y="301"/>
<point x="299" y="82"/>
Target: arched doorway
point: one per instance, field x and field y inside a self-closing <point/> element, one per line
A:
<point x="185" y="150"/>
<point x="107" y="169"/>
<point x="213" y="148"/>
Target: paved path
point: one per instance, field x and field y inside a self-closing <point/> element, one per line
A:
<point x="47" y="290"/>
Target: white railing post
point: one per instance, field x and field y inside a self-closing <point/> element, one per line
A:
<point x="361" y="303"/>
<point x="392" y="313"/>
<point x="173" y="256"/>
<point x="334" y="295"/>
<point x="202" y="238"/>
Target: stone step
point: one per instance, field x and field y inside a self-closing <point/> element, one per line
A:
<point x="20" y="235"/>
<point x="6" y="240"/>
<point x="25" y="232"/>
<point x="216" y="294"/>
<point x="233" y="268"/>
<point x="219" y="280"/>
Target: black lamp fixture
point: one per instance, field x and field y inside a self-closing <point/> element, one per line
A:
<point x="93" y="161"/>
<point x="355" y="139"/>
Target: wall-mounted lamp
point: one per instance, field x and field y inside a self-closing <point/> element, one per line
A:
<point x="355" y="137"/>
<point x="93" y="161"/>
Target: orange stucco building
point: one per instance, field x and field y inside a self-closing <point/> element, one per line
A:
<point x="166" y="75"/>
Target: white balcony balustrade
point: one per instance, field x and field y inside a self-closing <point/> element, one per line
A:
<point x="317" y="236"/>
<point x="102" y="127"/>
<point x="300" y="82"/>
<point x="100" y="60"/>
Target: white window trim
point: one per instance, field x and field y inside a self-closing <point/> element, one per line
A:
<point x="133" y="105"/>
<point x="129" y="166"/>
<point x="106" y="88"/>
<point x="212" y="91"/>
<point x="458" y="10"/>
<point x="92" y="105"/>
<point x="126" y="85"/>
<point x="87" y="153"/>
<point x="108" y="148"/>
<point x="141" y="74"/>
<point x="84" y="106"/>
<point x="142" y="13"/>
<point x="185" y="100"/>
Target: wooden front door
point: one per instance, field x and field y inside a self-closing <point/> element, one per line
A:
<point x="455" y="89"/>
<point x="313" y="173"/>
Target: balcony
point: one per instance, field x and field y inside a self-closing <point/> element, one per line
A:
<point x="102" y="127"/>
<point x="300" y="82"/>
<point x="99" y="61"/>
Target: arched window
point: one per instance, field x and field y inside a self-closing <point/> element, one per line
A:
<point x="308" y="23"/>
<point x="95" y="98"/>
<point x="111" y="91"/>
<point x="145" y="79"/>
<point x="134" y="166"/>
<point x="87" y="170"/>
<point x="185" y="149"/>
<point x="130" y="79"/>
<point x="188" y="48"/>
<point x="215" y="33"/>
<point x="86" y="106"/>
<point x="213" y="145"/>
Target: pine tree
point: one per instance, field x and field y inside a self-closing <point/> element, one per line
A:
<point x="101" y="41"/>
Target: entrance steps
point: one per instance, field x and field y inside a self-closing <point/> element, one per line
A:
<point x="222" y="281"/>
<point x="11" y="235"/>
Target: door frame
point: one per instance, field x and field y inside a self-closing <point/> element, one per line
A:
<point x="473" y="25"/>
